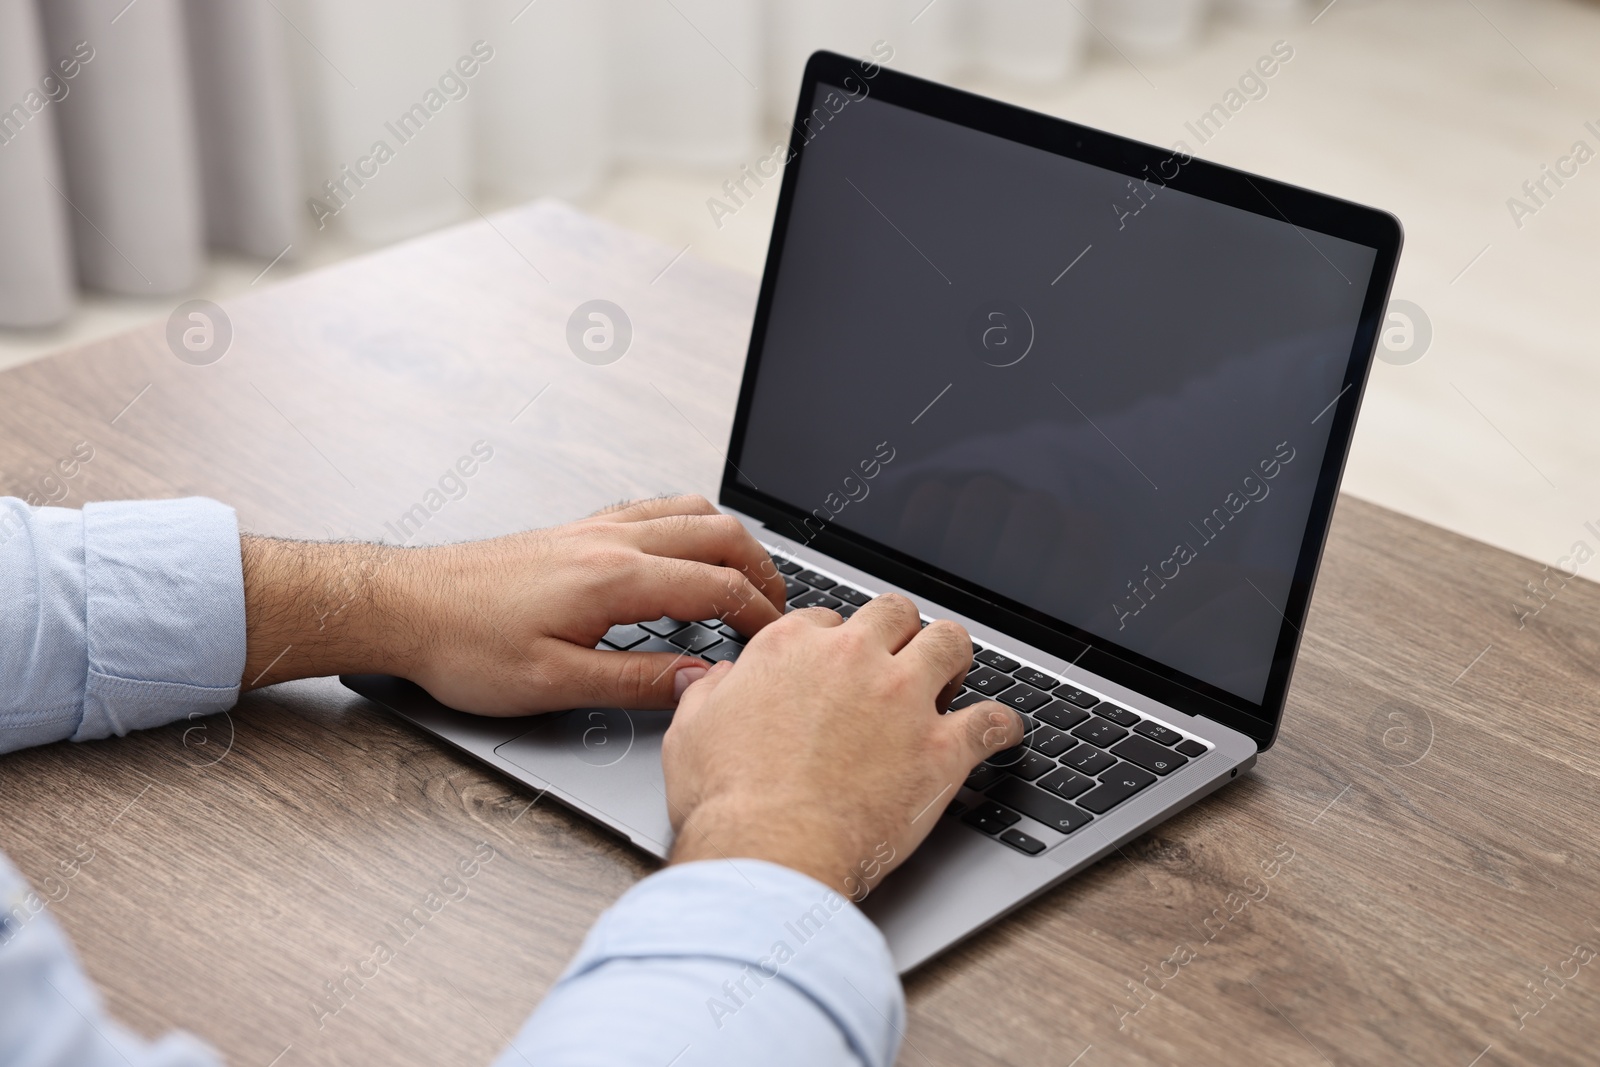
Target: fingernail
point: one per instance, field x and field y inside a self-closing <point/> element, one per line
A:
<point x="686" y="677"/>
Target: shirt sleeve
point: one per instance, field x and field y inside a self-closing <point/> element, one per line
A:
<point x="118" y="617"/>
<point x="50" y="1016"/>
<point x="725" y="962"/>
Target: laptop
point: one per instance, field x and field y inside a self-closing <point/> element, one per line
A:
<point x="1090" y="398"/>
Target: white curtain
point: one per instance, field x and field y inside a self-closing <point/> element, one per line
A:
<point x="136" y="135"/>
<point x="36" y="274"/>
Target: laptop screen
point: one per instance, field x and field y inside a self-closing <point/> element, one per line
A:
<point x="1106" y="400"/>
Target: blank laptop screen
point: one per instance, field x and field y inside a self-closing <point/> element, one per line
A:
<point x="1104" y="400"/>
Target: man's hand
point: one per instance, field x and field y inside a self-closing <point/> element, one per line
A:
<point x="508" y="626"/>
<point x="823" y="748"/>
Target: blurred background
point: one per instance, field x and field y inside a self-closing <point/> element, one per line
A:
<point x="153" y="151"/>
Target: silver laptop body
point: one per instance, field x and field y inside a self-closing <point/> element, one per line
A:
<point x="1295" y="319"/>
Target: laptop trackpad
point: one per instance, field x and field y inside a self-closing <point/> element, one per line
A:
<point x="605" y="762"/>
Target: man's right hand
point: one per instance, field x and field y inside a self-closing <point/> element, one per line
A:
<point x="823" y="749"/>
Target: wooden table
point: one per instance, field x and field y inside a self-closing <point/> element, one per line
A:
<point x="1435" y="783"/>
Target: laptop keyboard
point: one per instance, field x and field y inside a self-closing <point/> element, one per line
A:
<point x="1081" y="757"/>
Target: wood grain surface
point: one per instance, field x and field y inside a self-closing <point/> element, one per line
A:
<point x="1408" y="877"/>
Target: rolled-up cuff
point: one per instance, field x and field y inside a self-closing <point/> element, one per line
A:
<point x="164" y="613"/>
<point x="781" y="923"/>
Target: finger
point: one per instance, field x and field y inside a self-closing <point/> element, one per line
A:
<point x="720" y="540"/>
<point x="823" y="618"/>
<point x="699" y="689"/>
<point x="798" y="620"/>
<point x="654" y="508"/>
<point x="639" y="680"/>
<point x="891" y="618"/>
<point x="946" y="650"/>
<point x="806" y="618"/>
<point x="980" y="730"/>
<point x="684" y="787"/>
<point x="687" y="589"/>
<point x="947" y="695"/>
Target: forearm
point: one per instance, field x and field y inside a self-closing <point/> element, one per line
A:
<point x="316" y="609"/>
<point x="129" y="615"/>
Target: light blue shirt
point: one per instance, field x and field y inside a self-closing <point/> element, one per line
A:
<point x="126" y="616"/>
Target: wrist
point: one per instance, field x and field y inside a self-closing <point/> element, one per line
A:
<point x="313" y="610"/>
<point x="728" y="829"/>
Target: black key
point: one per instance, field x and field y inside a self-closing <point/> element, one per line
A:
<point x="988" y="681"/>
<point x="1192" y="749"/>
<point x="1039" y="805"/>
<point x="1037" y="679"/>
<point x="1098" y="731"/>
<point x="1064" y="716"/>
<point x="695" y="638"/>
<point x="1065" y="783"/>
<point x="814" y="599"/>
<point x="656" y="644"/>
<point x="1149" y="755"/>
<point x="1031" y="765"/>
<point x="663" y="627"/>
<point x="786" y="566"/>
<point x="815" y="580"/>
<point x="625" y="636"/>
<point x="1050" y="741"/>
<point x="845" y="610"/>
<point x="1116" y="787"/>
<point x="956" y="807"/>
<point x="1022" y="842"/>
<point x="1089" y="760"/>
<point x="966" y="699"/>
<point x="727" y="650"/>
<point x="731" y="634"/>
<point x="1074" y="695"/>
<point x="1023" y="697"/>
<point x="793" y="588"/>
<point x="990" y="658"/>
<point x="983" y="776"/>
<point x="1120" y="716"/>
<point x="853" y="597"/>
<point x="991" y="818"/>
<point x="1156" y="732"/>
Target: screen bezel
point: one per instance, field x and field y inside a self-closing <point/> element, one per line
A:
<point x="1302" y="208"/>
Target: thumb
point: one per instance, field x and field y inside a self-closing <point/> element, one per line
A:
<point x="981" y="730"/>
<point x="637" y="680"/>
